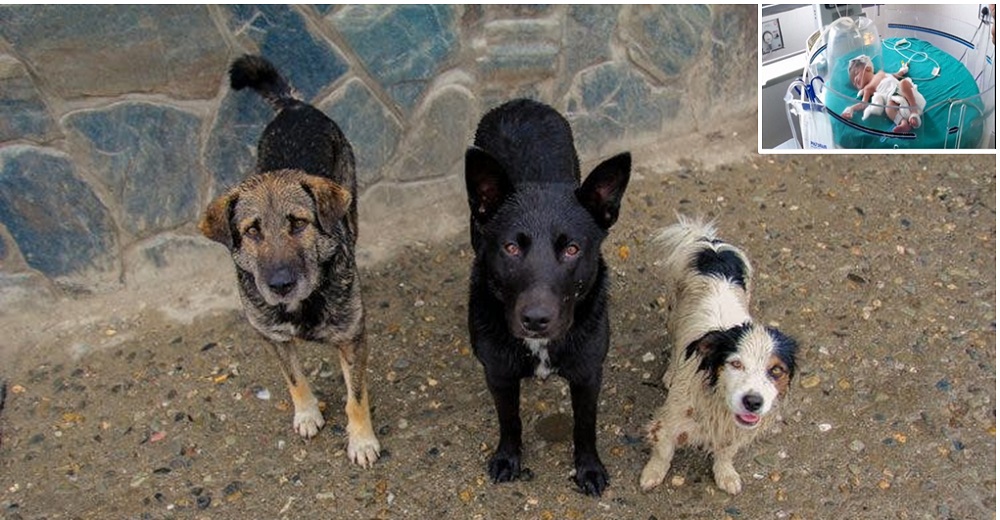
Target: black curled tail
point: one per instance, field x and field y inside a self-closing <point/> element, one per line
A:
<point x="257" y="73"/>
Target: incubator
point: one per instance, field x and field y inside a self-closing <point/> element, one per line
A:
<point x="941" y="77"/>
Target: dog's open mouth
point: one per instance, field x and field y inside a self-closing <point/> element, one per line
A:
<point x="748" y="420"/>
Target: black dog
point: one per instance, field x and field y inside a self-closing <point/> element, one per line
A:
<point x="538" y="289"/>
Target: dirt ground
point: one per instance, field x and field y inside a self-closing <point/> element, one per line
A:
<point x="883" y="268"/>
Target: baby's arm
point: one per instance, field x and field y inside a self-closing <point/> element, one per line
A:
<point x="866" y="95"/>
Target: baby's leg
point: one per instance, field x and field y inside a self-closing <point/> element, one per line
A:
<point x="875" y="108"/>
<point x="898" y="116"/>
<point x="909" y="91"/>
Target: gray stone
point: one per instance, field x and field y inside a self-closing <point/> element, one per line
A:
<point x="173" y="253"/>
<point x="231" y="151"/>
<point x="734" y="64"/>
<point x="509" y="11"/>
<point x="148" y="156"/>
<point x="23" y="114"/>
<point x="612" y="103"/>
<point x="589" y="29"/>
<point x="58" y="223"/>
<point x="94" y="50"/>
<point x="281" y="35"/>
<point x="520" y="51"/>
<point x="394" y="216"/>
<point x="664" y="39"/>
<point x="444" y="128"/>
<point x="401" y="46"/>
<point x="370" y="128"/>
<point x="24" y="291"/>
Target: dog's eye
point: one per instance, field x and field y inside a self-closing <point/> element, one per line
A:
<point x="512" y="249"/>
<point x="298" y="224"/>
<point x="736" y="364"/>
<point x="776" y="371"/>
<point x="571" y="251"/>
<point x="252" y="232"/>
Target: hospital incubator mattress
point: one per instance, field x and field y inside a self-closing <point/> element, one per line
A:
<point x="953" y="83"/>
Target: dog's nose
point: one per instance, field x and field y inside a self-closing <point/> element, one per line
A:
<point x="752" y="402"/>
<point x="535" y="319"/>
<point x="281" y="282"/>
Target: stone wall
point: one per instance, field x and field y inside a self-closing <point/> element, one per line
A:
<point x="117" y="126"/>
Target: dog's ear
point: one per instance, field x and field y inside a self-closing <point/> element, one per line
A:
<point x="713" y="349"/>
<point x="216" y="223"/>
<point x="332" y="200"/>
<point x="602" y="192"/>
<point x="713" y="342"/>
<point x="486" y="183"/>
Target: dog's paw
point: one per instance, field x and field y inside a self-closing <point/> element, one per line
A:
<point x="727" y="479"/>
<point x="653" y="474"/>
<point x="590" y="476"/>
<point x="363" y="450"/>
<point x="308" y="422"/>
<point x="504" y="466"/>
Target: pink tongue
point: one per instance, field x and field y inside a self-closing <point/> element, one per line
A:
<point x="748" y="418"/>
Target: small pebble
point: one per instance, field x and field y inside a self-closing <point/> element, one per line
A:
<point x="677" y="480"/>
<point x="810" y="381"/>
<point x="648" y="357"/>
<point x="263" y="394"/>
<point x="857" y="446"/>
<point x="825" y="427"/>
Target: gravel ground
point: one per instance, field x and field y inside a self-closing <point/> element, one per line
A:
<point x="882" y="267"/>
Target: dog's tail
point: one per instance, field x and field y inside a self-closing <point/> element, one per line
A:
<point x="692" y="245"/>
<point x="260" y="75"/>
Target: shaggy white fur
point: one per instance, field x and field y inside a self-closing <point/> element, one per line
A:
<point x="726" y="373"/>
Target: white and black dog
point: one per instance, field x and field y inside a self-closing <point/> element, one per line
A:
<point x="727" y="373"/>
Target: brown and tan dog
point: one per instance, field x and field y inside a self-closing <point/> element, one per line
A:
<point x="291" y="229"/>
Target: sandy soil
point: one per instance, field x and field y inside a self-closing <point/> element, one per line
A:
<point x="883" y="268"/>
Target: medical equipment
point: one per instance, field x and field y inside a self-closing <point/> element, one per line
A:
<point x="949" y="61"/>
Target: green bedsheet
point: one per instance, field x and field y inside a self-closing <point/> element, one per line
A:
<point x="954" y="83"/>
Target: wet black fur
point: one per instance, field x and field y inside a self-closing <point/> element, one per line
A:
<point x="523" y="182"/>
<point x="301" y="137"/>
<point x="724" y="264"/>
<point x="715" y="347"/>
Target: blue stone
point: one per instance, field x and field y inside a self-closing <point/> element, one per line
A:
<point x="306" y="60"/>
<point x="56" y="220"/>
<point x="589" y="30"/>
<point x="23" y="114"/>
<point x="615" y="103"/>
<point x="943" y="385"/>
<point x="149" y="155"/>
<point x="402" y="46"/>
<point x="370" y="128"/>
<point x="732" y="73"/>
<point x="665" y="39"/>
<point x="231" y="151"/>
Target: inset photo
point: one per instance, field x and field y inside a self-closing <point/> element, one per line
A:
<point x="877" y="77"/>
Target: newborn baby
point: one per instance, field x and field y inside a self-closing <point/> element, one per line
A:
<point x="891" y="93"/>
